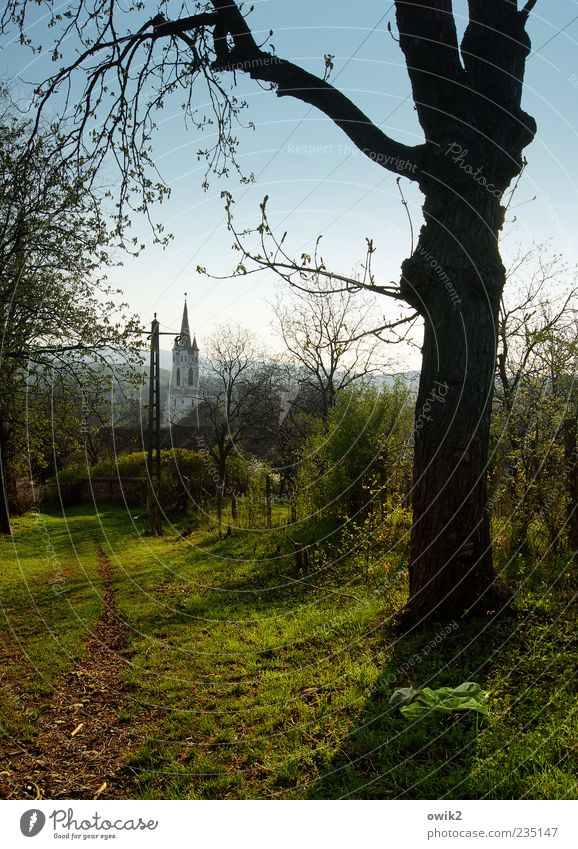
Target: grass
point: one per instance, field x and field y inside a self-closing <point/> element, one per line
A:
<point x="249" y="680"/>
<point x="49" y="599"/>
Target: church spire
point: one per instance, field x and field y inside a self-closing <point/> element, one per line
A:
<point x="185" y="335"/>
<point x="184" y="383"/>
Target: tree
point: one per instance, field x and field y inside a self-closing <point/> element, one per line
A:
<point x="334" y="343"/>
<point x="238" y="398"/>
<point x="534" y="465"/>
<point x="331" y="339"/>
<point x="58" y="315"/>
<point x="468" y="101"/>
<point x="104" y="418"/>
<point x="533" y="319"/>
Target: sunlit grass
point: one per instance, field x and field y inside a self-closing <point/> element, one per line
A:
<point x="251" y="680"/>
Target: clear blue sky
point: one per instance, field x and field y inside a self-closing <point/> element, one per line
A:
<point x="342" y="196"/>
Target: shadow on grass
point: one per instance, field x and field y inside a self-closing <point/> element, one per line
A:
<point x="387" y="756"/>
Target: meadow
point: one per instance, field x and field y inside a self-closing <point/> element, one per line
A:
<point x="240" y="675"/>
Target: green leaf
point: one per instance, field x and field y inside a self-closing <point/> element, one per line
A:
<point x="403" y="696"/>
<point x="415" y="704"/>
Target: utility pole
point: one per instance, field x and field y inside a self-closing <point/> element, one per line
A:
<point x="154" y="510"/>
<point x="154" y="514"/>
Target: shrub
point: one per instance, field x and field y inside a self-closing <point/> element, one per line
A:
<point x="185" y="475"/>
<point x="359" y="456"/>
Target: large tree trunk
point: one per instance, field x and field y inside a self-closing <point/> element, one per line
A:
<point x="455" y="277"/>
<point x="451" y="569"/>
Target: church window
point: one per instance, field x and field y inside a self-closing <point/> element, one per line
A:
<point x="178" y="377"/>
<point x="190" y="377"/>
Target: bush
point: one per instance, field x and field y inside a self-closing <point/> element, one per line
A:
<point x="360" y="456"/>
<point x="185" y="475"/>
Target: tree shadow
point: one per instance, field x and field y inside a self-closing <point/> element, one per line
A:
<point x="387" y="756"/>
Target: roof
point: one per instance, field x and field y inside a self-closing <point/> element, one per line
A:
<point x="183" y="340"/>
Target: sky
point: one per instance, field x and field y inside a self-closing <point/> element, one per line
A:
<point x="315" y="182"/>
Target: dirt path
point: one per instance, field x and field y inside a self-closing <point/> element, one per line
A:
<point x="81" y="749"/>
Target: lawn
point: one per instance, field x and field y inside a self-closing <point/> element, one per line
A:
<point x="250" y="679"/>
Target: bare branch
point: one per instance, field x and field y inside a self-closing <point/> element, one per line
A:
<point x="302" y="274"/>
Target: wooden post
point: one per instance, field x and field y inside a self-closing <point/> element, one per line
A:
<point x="154" y="516"/>
<point x="571" y="477"/>
<point x="4" y="510"/>
<point x="268" y="498"/>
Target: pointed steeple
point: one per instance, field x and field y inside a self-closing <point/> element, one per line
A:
<point x="184" y="382"/>
<point x="185" y="335"/>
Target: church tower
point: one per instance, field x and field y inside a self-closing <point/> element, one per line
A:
<point x="184" y="386"/>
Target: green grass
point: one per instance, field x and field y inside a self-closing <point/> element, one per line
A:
<point x="250" y="681"/>
<point x="49" y="599"/>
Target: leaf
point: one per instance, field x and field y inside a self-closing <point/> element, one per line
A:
<point x="415" y="704"/>
<point x="470" y="688"/>
<point x="403" y="696"/>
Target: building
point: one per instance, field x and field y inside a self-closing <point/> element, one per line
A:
<point x="183" y="390"/>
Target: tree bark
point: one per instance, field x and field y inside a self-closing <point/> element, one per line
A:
<point x="455" y="278"/>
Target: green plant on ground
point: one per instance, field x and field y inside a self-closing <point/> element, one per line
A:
<point x="414" y="704"/>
